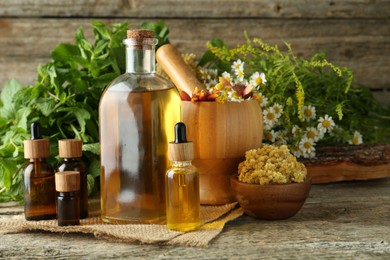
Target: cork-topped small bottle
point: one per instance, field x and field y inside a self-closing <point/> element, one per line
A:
<point x="137" y="113"/>
<point x="39" y="186"/>
<point x="182" y="184"/>
<point x="70" y="150"/>
<point x="68" y="200"/>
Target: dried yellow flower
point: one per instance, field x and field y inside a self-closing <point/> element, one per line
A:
<point x="270" y="164"/>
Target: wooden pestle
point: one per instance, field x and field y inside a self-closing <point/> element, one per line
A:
<point x="178" y="71"/>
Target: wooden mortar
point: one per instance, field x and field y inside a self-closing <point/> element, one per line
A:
<point x="221" y="133"/>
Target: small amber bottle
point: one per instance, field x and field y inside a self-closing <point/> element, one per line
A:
<point x="70" y="150"/>
<point x="68" y="200"/>
<point x="39" y="186"/>
<point x="182" y="184"/>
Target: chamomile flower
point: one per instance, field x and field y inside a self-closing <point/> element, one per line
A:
<point x="234" y="96"/>
<point x="257" y="79"/>
<point x="306" y="145"/>
<point x="210" y="83"/>
<point x="263" y="100"/>
<point x="278" y="108"/>
<point x="296" y="131"/>
<point x="269" y="117"/>
<point x="356" y="139"/>
<point x="240" y="75"/>
<point x="227" y="76"/>
<point x="296" y="151"/>
<point x="313" y="133"/>
<point x="326" y="124"/>
<point x="238" y="65"/>
<point x="270" y="136"/>
<point x="309" y="112"/>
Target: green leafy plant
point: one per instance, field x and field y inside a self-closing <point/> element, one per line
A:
<point x="64" y="100"/>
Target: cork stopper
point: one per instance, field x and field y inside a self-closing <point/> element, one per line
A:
<point x="70" y="148"/>
<point x="67" y="181"/>
<point x="181" y="149"/>
<point x="139" y="34"/>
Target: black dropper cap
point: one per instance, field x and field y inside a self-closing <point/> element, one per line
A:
<point x="36" y="131"/>
<point x="180" y="133"/>
<point x="181" y="149"/>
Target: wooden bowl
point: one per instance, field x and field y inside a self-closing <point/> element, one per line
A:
<point x="271" y="201"/>
<point x="221" y="133"/>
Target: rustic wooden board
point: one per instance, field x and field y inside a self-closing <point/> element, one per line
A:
<point x="349" y="162"/>
<point x="197" y="8"/>
<point x="363" y="45"/>
<point x="346" y="171"/>
<point x="338" y="221"/>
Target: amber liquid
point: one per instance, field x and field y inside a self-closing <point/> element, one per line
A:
<point x="135" y="128"/>
<point x="75" y="164"/>
<point x="39" y="191"/>
<point x="182" y="199"/>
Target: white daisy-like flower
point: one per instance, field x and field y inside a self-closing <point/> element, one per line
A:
<point x="238" y="65"/>
<point x="296" y="131"/>
<point x="257" y="79"/>
<point x="309" y="112"/>
<point x="278" y="108"/>
<point x="325" y="124"/>
<point x="270" y="136"/>
<point x="313" y="133"/>
<point x="263" y="100"/>
<point x="240" y="75"/>
<point x="234" y="97"/>
<point x="307" y="147"/>
<point x="210" y="83"/>
<point x="227" y="76"/>
<point x="296" y="151"/>
<point x="356" y="139"/>
<point x="269" y="116"/>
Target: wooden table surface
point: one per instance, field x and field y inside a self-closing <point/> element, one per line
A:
<point x="347" y="220"/>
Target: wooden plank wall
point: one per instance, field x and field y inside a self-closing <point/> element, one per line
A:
<point x="354" y="33"/>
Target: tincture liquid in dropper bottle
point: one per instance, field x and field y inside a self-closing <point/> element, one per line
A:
<point x="182" y="184"/>
<point x="39" y="185"/>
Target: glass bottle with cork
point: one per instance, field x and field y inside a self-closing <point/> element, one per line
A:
<point x="70" y="150"/>
<point x="68" y="200"/>
<point x="182" y="184"/>
<point x="136" y="114"/>
<point x="39" y="184"/>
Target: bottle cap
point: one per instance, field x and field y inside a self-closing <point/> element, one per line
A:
<point x="70" y="148"/>
<point x="67" y="181"/>
<point x="36" y="147"/>
<point x="180" y="149"/>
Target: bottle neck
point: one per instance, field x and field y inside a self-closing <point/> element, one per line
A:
<point x="140" y="58"/>
<point x="181" y="163"/>
<point x="72" y="159"/>
<point x="37" y="160"/>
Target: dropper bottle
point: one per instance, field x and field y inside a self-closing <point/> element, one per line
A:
<point x="182" y="184"/>
<point x="70" y="150"/>
<point x="39" y="185"/>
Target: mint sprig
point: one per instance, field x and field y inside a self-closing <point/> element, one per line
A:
<point x="64" y="100"/>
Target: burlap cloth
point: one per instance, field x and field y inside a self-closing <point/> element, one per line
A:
<point x="213" y="219"/>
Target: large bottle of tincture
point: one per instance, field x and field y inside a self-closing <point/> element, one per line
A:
<point x="137" y="113"/>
